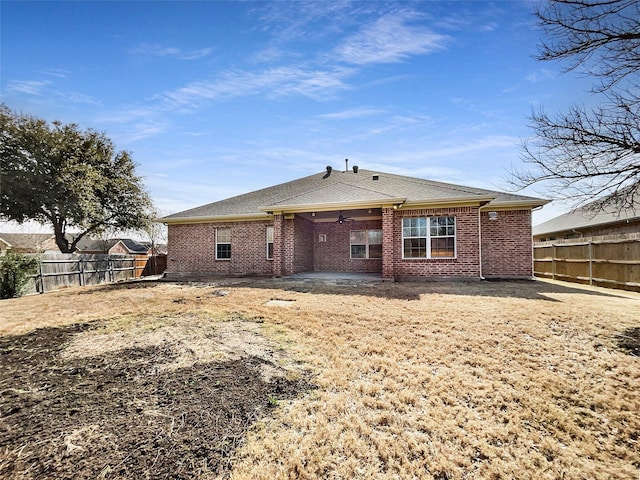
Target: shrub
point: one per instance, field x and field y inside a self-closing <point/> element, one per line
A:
<point x="15" y="270"/>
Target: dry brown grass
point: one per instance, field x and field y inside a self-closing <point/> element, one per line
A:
<point x="444" y="380"/>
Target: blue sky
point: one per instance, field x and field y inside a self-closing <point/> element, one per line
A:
<point x="215" y="99"/>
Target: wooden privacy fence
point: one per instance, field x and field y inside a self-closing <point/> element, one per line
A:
<point x="62" y="270"/>
<point x="607" y="261"/>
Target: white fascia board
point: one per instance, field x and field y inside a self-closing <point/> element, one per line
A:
<point x="331" y="206"/>
<point x="473" y="201"/>
<point x="514" y="205"/>
<point x="245" y="217"/>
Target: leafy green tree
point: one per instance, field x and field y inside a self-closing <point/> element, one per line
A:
<point x="59" y="175"/>
<point x="15" y="270"/>
<point x="590" y="154"/>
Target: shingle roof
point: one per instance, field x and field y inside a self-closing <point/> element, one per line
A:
<point x="348" y="190"/>
<point x="93" y="245"/>
<point x="25" y="240"/>
<point x="584" y="218"/>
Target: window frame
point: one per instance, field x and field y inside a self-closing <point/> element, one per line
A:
<point x="367" y="244"/>
<point x="422" y="231"/>
<point x="219" y="244"/>
<point x="270" y="236"/>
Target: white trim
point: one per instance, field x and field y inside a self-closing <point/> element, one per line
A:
<point x="428" y="238"/>
<point x="223" y="243"/>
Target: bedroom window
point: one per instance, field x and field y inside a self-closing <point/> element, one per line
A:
<point x="223" y="244"/>
<point x="429" y="237"/>
<point x="269" y="243"/>
<point x="366" y="243"/>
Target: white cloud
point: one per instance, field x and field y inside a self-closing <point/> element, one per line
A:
<point x="155" y="50"/>
<point x="389" y="40"/>
<point x="541" y="75"/>
<point x="352" y="113"/>
<point x="274" y="82"/>
<point x="56" y="72"/>
<point x="29" y="87"/>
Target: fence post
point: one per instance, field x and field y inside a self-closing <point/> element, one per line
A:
<point x="40" y="277"/>
<point x="590" y="263"/>
<point x="82" y="265"/>
<point x="110" y="268"/>
<point x="553" y="261"/>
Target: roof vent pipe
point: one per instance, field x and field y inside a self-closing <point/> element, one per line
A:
<point x="329" y="168"/>
<point x="355" y="169"/>
<point x="346" y="165"/>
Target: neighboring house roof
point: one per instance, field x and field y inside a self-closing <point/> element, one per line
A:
<point x="104" y="245"/>
<point x="348" y="190"/>
<point x="583" y="218"/>
<point x="26" y="242"/>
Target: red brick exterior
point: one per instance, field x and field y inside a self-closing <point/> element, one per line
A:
<point x="192" y="249"/>
<point x="465" y="264"/>
<point x="334" y="254"/>
<point x="507" y="248"/>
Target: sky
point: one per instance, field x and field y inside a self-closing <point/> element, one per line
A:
<point x="215" y="99"/>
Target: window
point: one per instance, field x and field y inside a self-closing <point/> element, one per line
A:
<point x="269" y="243"/>
<point x="366" y="243"/>
<point x="223" y="243"/>
<point x="429" y="237"/>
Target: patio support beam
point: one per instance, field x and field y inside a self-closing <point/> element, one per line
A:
<point x="388" y="243"/>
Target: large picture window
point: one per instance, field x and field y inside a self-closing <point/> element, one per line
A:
<point x="223" y="243"/>
<point x="429" y="237"/>
<point x="366" y="243"/>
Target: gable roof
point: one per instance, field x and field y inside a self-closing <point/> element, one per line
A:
<point x="93" y="245"/>
<point x="337" y="190"/>
<point x="586" y="218"/>
<point x="26" y="241"/>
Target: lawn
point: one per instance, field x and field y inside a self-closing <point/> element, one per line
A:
<point x="273" y="379"/>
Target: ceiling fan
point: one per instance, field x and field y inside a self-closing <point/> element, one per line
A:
<point x="342" y="219"/>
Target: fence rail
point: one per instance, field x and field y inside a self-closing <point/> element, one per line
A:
<point x="60" y="270"/>
<point x="611" y="261"/>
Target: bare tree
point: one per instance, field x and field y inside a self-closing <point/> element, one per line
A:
<point x="590" y="154"/>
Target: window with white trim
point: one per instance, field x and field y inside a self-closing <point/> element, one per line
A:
<point x="223" y="244"/>
<point x="366" y="243"/>
<point x="429" y="237"/>
<point x="269" y="243"/>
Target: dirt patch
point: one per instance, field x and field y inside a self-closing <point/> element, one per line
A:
<point x="119" y="410"/>
<point x="629" y="340"/>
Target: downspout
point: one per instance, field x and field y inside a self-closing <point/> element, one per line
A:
<point x="480" y="243"/>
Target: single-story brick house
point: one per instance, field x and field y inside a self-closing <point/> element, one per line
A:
<point x="586" y="222"/>
<point x="357" y="221"/>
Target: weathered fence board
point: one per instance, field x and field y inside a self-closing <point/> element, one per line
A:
<point x="611" y="261"/>
<point x="61" y="270"/>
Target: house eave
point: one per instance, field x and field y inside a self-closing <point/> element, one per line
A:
<point x="513" y="205"/>
<point x="243" y="217"/>
<point x="332" y="206"/>
<point x="449" y="202"/>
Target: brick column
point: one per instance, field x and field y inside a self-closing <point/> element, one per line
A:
<point x="388" y="243"/>
<point x="288" y="246"/>
<point x="278" y="248"/>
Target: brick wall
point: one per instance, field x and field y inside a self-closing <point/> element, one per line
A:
<point x="303" y="245"/>
<point x="192" y="249"/>
<point x="507" y="249"/>
<point x="334" y="254"/>
<point x="466" y="263"/>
